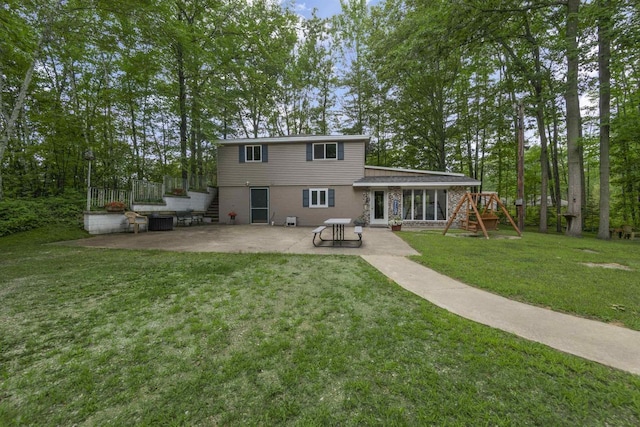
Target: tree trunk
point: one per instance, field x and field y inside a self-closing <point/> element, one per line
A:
<point x="574" y="211"/>
<point x="604" y="76"/>
<point x="7" y="132"/>
<point x="182" y="105"/>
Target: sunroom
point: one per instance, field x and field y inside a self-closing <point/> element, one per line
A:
<point x="418" y="198"/>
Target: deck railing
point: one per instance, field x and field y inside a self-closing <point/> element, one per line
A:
<point x="102" y="196"/>
<point x="145" y="191"/>
<point x="179" y="186"/>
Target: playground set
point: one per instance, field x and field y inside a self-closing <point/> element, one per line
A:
<point x="480" y="213"/>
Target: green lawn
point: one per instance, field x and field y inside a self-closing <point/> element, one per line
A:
<point x="93" y="336"/>
<point x="547" y="270"/>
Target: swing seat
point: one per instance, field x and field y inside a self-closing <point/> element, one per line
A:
<point x="490" y="221"/>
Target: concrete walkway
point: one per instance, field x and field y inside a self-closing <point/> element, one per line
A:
<point x="607" y="344"/>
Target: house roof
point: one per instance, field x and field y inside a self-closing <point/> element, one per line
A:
<point x="399" y="177"/>
<point x="417" y="181"/>
<point x="413" y="171"/>
<point x="295" y="139"/>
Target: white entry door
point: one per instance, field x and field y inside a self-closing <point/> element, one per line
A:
<point x="379" y="208"/>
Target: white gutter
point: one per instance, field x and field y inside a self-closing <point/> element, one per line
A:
<point x="294" y="139"/>
<point x="415" y="184"/>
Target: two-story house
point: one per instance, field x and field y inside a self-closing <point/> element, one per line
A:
<point x="312" y="178"/>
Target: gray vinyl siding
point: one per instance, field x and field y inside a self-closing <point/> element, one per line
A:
<point x="286" y="201"/>
<point x="287" y="165"/>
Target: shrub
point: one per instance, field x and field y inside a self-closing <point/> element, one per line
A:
<point x="26" y="214"/>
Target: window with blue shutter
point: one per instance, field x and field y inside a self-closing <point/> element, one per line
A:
<point x="253" y="153"/>
<point x="325" y="151"/>
<point x="318" y="198"/>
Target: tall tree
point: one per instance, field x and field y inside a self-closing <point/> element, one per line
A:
<point x="604" y="76"/>
<point x="23" y="47"/>
<point x="574" y="152"/>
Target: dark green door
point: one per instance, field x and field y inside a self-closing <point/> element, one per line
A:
<point x="259" y="205"/>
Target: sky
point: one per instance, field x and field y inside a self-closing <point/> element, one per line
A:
<point x="326" y="8"/>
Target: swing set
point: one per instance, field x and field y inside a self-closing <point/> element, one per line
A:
<point x="476" y="219"/>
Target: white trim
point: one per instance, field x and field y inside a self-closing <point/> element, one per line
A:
<point x="324" y="144"/>
<point x="424" y="205"/>
<point x="415" y="184"/>
<point x="423" y="172"/>
<point x="318" y="205"/>
<point x="385" y="219"/>
<point x="252" y="147"/>
<point x="295" y="139"/>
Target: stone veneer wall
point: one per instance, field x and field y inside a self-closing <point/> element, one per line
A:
<point x="366" y="206"/>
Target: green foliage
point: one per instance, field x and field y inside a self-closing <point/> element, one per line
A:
<point x="18" y="215"/>
<point x="434" y="84"/>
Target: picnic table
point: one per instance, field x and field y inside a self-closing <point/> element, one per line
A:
<point x="337" y="232"/>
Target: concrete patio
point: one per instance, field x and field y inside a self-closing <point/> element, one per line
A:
<point x="250" y="239"/>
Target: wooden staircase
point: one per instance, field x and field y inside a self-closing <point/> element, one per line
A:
<point x="213" y="211"/>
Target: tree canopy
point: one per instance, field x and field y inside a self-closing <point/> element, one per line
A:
<point x="149" y="86"/>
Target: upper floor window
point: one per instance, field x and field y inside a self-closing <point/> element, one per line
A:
<point x="253" y="153"/>
<point x="325" y="151"/>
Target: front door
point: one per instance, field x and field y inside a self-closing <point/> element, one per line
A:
<point x="379" y="208"/>
<point x="259" y="206"/>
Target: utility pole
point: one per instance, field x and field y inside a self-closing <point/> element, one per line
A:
<point x="520" y="163"/>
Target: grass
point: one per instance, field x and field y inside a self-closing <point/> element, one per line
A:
<point x="94" y="336"/>
<point x="546" y="270"/>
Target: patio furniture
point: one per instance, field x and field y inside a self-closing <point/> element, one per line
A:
<point x="337" y="227"/>
<point x="318" y="232"/>
<point x="337" y="233"/>
<point x="160" y="223"/>
<point x="136" y="219"/>
<point x="184" y="216"/>
<point x="358" y="230"/>
<point x="197" y="217"/>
